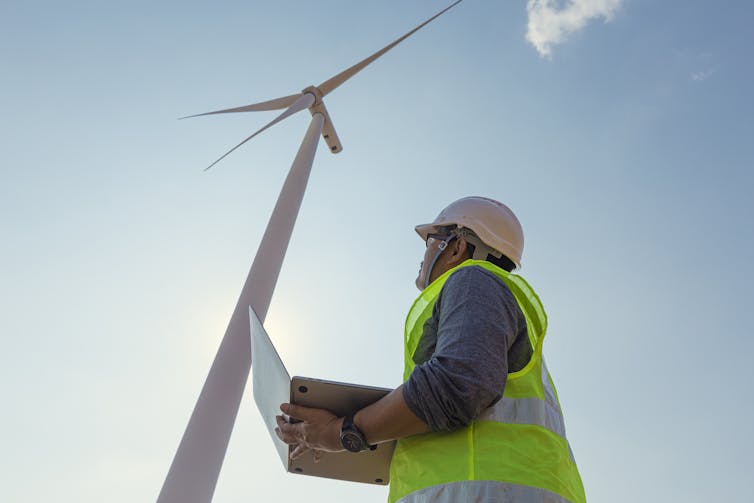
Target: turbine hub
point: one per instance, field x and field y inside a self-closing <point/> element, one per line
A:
<point x="314" y="91"/>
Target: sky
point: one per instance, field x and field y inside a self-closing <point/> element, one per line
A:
<point x="619" y="131"/>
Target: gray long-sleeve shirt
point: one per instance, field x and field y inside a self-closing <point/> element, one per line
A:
<point x="474" y="338"/>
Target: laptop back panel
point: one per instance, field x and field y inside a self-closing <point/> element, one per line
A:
<point x="371" y="467"/>
<point x="272" y="386"/>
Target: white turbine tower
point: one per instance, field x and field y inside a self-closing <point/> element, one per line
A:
<point x="193" y="474"/>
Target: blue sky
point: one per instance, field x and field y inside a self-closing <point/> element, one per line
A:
<point x="626" y="152"/>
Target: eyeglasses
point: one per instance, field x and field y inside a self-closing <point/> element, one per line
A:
<point x="443" y="238"/>
<point x="438" y="237"/>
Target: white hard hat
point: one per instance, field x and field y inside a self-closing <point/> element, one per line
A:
<point x="493" y="222"/>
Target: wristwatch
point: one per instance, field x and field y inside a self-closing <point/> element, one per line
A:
<point x="351" y="437"/>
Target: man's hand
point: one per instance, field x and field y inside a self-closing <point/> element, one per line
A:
<point x="319" y="430"/>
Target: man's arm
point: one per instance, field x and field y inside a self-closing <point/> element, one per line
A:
<point x="465" y="375"/>
<point x="387" y="419"/>
<point x="467" y="370"/>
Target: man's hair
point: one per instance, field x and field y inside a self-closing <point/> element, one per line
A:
<point x="503" y="262"/>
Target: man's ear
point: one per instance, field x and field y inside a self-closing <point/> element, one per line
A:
<point x="460" y="250"/>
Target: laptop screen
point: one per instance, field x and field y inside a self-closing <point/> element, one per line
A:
<point x="271" y="382"/>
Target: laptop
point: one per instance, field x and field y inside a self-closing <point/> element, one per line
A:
<point x="272" y="385"/>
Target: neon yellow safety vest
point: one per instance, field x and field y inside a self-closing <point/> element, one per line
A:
<point x="515" y="451"/>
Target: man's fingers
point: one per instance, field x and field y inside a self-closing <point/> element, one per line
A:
<point x="286" y="427"/>
<point x="316" y="428"/>
<point x="287" y="432"/>
<point x="299" y="451"/>
<point x="280" y="420"/>
<point x="317" y="455"/>
<point x="299" y="411"/>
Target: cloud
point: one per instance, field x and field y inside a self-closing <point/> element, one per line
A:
<point x="552" y="21"/>
<point x="703" y="75"/>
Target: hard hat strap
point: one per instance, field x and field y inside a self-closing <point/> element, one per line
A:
<point x="481" y="250"/>
<point x="440" y="248"/>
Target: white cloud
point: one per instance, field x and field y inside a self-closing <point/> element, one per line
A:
<point x="703" y="75"/>
<point x="551" y="21"/>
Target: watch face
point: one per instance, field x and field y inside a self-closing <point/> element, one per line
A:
<point x="352" y="441"/>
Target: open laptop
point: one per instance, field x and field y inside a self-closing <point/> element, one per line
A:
<point x="273" y="385"/>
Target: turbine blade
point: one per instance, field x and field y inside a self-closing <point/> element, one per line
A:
<point x="304" y="101"/>
<point x="331" y="84"/>
<point x="275" y="104"/>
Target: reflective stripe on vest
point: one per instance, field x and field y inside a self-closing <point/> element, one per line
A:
<point x="545" y="413"/>
<point x="517" y="447"/>
<point x="482" y="491"/>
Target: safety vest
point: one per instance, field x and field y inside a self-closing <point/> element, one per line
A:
<point x="515" y="451"/>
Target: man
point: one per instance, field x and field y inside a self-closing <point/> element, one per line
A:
<point x="477" y="418"/>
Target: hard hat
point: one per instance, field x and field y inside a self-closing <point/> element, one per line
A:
<point x="493" y="222"/>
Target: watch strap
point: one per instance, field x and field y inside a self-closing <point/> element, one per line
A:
<point x="350" y="426"/>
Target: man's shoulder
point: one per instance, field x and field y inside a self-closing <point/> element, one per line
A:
<point x="477" y="277"/>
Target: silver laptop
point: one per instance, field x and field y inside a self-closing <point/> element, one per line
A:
<point x="273" y="385"/>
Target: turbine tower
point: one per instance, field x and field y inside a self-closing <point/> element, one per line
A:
<point x="196" y="466"/>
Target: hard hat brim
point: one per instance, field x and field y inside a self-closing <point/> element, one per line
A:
<point x="425" y="230"/>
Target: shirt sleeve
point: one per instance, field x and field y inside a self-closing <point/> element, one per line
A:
<point x="476" y="324"/>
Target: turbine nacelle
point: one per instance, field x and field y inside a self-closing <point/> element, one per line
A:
<point x="310" y="98"/>
<point x="328" y="130"/>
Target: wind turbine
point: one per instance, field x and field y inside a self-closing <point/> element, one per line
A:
<point x="196" y="466"/>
